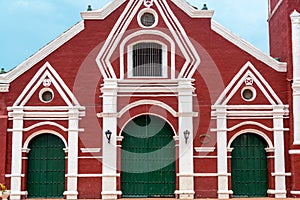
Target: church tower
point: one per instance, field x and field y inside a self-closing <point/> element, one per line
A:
<point x="284" y="34"/>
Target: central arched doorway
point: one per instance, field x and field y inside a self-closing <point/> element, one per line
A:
<point x="148" y="158"/>
<point x="46" y="167"/>
<point x="249" y="169"/>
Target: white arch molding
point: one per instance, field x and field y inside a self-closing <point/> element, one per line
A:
<point x="251" y="131"/>
<point x="148" y="102"/>
<point x="41" y="132"/>
<point x="166" y="120"/>
<point x="148" y="32"/>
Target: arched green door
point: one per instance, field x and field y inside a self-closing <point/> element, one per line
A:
<point x="46" y="167"/>
<point x="148" y="158"/>
<point x="249" y="170"/>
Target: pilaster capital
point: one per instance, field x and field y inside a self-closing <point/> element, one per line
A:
<point x="110" y="86"/>
<point x="296" y="86"/>
<point x="4" y="87"/>
<point x="295" y="17"/>
<point x="16" y="112"/>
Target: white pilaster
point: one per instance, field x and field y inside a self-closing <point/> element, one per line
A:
<point x="109" y="160"/>
<point x="186" y="164"/>
<point x="295" y="18"/>
<point x="223" y="192"/>
<point x="16" y="161"/>
<point x="72" y="192"/>
<point x="280" y="185"/>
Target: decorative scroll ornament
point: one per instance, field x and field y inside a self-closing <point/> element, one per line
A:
<point x="47" y="82"/>
<point x="148" y="3"/>
<point x="249" y="81"/>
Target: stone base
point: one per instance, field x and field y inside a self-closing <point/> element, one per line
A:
<point x="185" y="194"/>
<point x="71" y="194"/>
<point x="111" y="195"/>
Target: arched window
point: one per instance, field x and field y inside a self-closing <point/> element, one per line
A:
<point x="147" y="60"/>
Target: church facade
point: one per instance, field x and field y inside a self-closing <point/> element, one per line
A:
<point x="152" y="98"/>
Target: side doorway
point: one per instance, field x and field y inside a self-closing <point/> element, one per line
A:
<point x="46" y="167"/>
<point x="249" y="169"/>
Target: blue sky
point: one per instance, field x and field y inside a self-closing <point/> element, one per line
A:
<point x="28" y="25"/>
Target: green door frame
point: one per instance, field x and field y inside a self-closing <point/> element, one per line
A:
<point x="148" y="158"/>
<point x="46" y="167"/>
<point x="249" y="167"/>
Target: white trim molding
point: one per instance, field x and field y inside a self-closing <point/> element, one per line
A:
<point x="40" y="132"/>
<point x="176" y="30"/>
<point x="275" y="110"/>
<point x="166" y="51"/>
<point x="264" y="136"/>
<point x="71" y="111"/>
<point x="205" y="149"/>
<point x="8" y="77"/>
<point x="103" y="12"/>
<point x="247" y="47"/>
<point x="4" y="87"/>
<point x="90" y="150"/>
<point x="295" y="192"/>
<point x="113" y="5"/>
<point x="294" y="151"/>
<point x="295" y="23"/>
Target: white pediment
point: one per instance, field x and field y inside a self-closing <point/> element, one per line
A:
<point x="248" y="71"/>
<point x="175" y="29"/>
<point x="47" y="75"/>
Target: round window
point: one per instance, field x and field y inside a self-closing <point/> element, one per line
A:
<point x="147" y="19"/>
<point x="46" y="95"/>
<point x="248" y="93"/>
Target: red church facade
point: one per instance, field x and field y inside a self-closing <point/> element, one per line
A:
<point x="155" y="99"/>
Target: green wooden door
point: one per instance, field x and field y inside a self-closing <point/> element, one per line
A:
<point x="249" y="170"/>
<point x="148" y="158"/>
<point x="46" y="167"/>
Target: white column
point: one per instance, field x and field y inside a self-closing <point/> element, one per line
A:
<point x="109" y="157"/>
<point x="223" y="192"/>
<point x="295" y="18"/>
<point x="186" y="164"/>
<point x="16" y="160"/>
<point x="72" y="192"/>
<point x="279" y="162"/>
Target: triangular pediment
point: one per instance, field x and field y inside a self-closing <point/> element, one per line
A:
<point x="175" y="33"/>
<point x="47" y="79"/>
<point x="248" y="76"/>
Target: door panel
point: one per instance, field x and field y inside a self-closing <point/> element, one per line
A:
<point x="148" y="158"/>
<point x="249" y="166"/>
<point x="46" y="167"/>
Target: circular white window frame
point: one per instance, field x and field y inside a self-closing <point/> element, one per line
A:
<point x="147" y="10"/>
<point x="252" y="89"/>
<point x="42" y="91"/>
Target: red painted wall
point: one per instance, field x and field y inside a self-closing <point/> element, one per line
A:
<point x="220" y="61"/>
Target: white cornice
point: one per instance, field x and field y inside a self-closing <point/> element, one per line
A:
<point x="191" y="11"/>
<point x="4" y="87"/>
<point x="249" y="48"/>
<point x="42" y="53"/>
<point x="103" y="12"/>
<point x="113" y="5"/>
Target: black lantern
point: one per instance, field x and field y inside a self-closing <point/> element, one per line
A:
<point x="186" y="135"/>
<point x="108" y="135"/>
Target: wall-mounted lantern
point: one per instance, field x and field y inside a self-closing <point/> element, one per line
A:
<point x="186" y="135"/>
<point x="108" y="135"/>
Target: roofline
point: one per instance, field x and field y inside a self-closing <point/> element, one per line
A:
<point x="41" y="54"/>
<point x="102" y="13"/>
<point x="191" y="11"/>
<point x="249" y="48"/>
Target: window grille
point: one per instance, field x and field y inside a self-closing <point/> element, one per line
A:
<point x="147" y="60"/>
